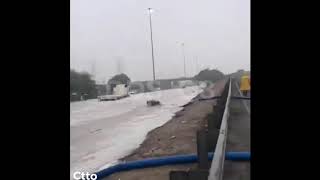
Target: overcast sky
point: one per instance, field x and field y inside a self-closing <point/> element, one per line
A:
<point x="111" y="36"/>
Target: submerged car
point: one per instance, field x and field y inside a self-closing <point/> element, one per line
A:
<point x="153" y="103"/>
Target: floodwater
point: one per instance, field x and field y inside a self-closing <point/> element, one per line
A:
<point x="103" y="132"/>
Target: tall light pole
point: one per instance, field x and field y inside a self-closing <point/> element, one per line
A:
<point x="184" y="60"/>
<point x="150" y="11"/>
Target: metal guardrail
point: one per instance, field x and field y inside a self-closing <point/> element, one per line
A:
<point x="240" y="97"/>
<point x="211" y="139"/>
<point x="216" y="170"/>
<point x="245" y="105"/>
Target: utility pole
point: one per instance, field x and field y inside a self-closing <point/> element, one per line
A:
<point x="184" y="60"/>
<point x="154" y="76"/>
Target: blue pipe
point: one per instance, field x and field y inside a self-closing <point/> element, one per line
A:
<point x="168" y="160"/>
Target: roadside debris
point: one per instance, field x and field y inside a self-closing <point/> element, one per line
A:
<point x="153" y="149"/>
<point x="153" y="103"/>
<point x="95" y="130"/>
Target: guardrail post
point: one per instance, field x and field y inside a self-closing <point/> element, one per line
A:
<point x="212" y="121"/>
<point x="178" y="175"/>
<point x="212" y="138"/>
<point x="191" y="175"/>
<point x="218" y="113"/>
<point x="202" y="149"/>
<point x="198" y="175"/>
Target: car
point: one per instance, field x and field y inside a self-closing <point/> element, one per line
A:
<point x="153" y="103"/>
<point x="133" y="92"/>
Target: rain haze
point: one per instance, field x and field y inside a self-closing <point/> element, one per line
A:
<point x="113" y="36"/>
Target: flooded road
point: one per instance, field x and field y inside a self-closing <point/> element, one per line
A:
<point x="103" y="132"/>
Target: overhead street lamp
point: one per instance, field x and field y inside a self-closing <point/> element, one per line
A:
<point x="150" y="10"/>
<point x="184" y="60"/>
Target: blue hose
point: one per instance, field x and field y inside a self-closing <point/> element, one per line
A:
<point x="168" y="160"/>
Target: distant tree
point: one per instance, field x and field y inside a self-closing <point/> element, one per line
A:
<point x="119" y="79"/>
<point x="209" y="75"/>
<point x="81" y="84"/>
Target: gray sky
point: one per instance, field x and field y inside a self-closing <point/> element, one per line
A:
<point x="108" y="36"/>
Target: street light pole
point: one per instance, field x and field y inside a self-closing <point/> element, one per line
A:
<point x="154" y="76"/>
<point x="184" y="60"/>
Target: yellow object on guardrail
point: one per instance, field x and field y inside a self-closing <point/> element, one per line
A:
<point x="245" y="83"/>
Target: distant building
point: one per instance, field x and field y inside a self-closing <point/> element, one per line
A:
<point x="120" y="89"/>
